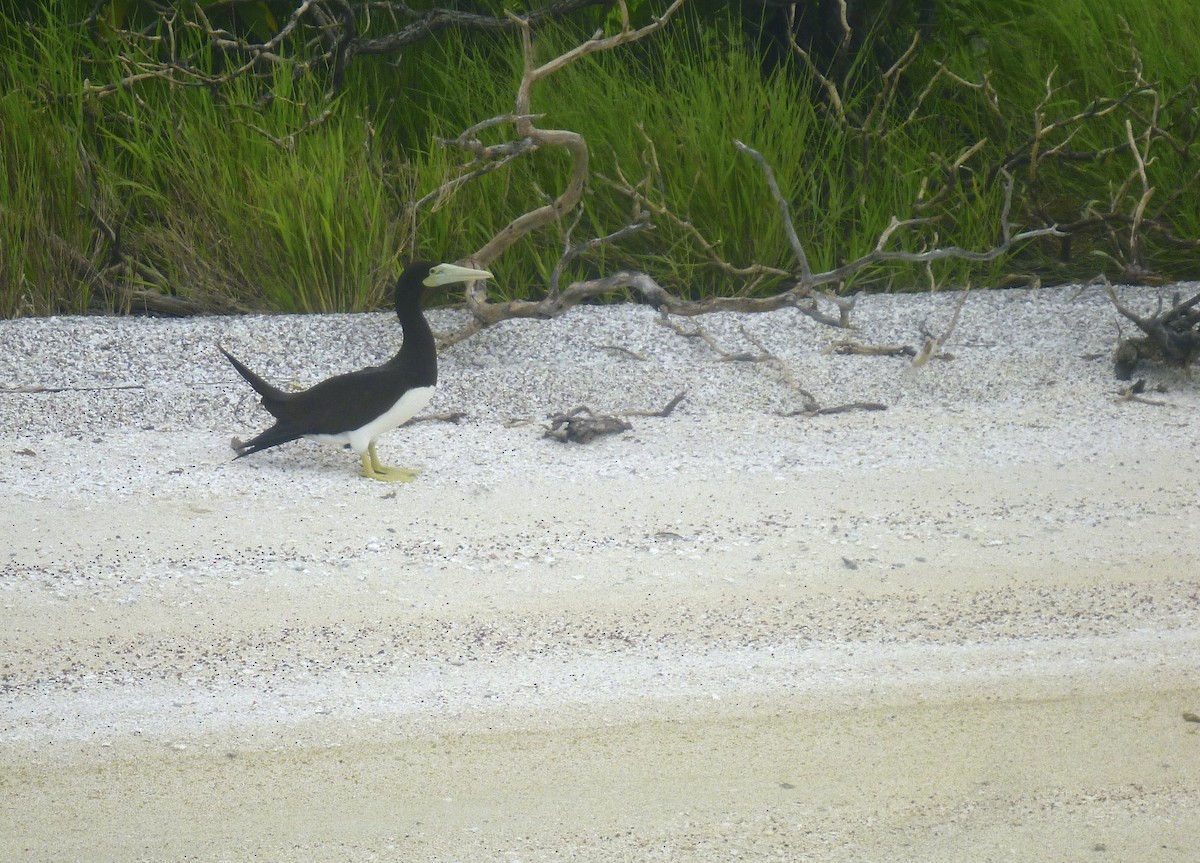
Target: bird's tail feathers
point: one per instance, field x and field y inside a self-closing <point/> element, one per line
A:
<point x="273" y="436"/>
<point x="271" y="395"/>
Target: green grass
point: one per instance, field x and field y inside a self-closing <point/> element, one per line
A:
<point x="305" y="205"/>
<point x="224" y="210"/>
<point x="49" y="255"/>
<point x="276" y="208"/>
<point x="208" y="198"/>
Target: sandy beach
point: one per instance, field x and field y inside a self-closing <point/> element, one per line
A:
<point x="964" y="628"/>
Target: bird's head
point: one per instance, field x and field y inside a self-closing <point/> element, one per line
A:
<point x="449" y="274"/>
<point x="420" y="275"/>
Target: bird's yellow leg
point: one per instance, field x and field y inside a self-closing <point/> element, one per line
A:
<point x="371" y="467"/>
<point x="367" y="470"/>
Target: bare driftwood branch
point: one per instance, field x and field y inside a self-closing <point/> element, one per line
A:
<point x="584" y="425"/>
<point x="801" y="295"/>
<point x="932" y="344"/>
<point x="662" y="412"/>
<point x="802" y="285"/>
<point x="848" y="347"/>
<point x="880" y="253"/>
<point x="696" y="331"/>
<point x="810" y="405"/>
<point x="571" y="252"/>
<point x="1134" y="393"/>
<point x="806" y="273"/>
<point x="817" y="411"/>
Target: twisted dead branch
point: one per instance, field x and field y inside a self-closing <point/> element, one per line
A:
<point x="810" y="407"/>
<point x="802" y="292"/>
<point x="803" y="287"/>
<point x="1171" y="337"/>
<point x="931" y="344"/>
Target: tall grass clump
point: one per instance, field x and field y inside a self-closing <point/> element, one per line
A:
<point x="50" y="257"/>
<point x="694" y="96"/>
<point x="258" y="194"/>
<point x="258" y="208"/>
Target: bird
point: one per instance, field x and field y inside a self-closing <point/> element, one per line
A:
<point x="355" y="408"/>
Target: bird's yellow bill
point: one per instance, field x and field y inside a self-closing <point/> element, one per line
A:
<point x="448" y="274"/>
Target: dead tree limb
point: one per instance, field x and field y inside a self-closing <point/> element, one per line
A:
<point x="818" y="411"/>
<point x="932" y="344"/>
<point x="850" y="347"/>
<point x="583" y="425"/>
<point x="809" y="404"/>
<point x="522" y="120"/>
<point x="1171" y="337"/>
<point x="801" y="295"/>
<point x="664" y="411"/>
<point x="802" y="288"/>
<point x="789" y="226"/>
<point x="1134" y="393"/>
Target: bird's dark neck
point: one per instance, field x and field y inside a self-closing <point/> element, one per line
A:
<point x="419" y="350"/>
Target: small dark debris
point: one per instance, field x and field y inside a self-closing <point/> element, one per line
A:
<point x="26" y="451"/>
<point x="453" y="417"/>
<point x="849" y="564"/>
<point x="617" y="349"/>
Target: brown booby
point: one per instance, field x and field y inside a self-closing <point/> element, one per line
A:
<point x="354" y="409"/>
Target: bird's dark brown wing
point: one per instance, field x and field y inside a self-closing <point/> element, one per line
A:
<point x="336" y="405"/>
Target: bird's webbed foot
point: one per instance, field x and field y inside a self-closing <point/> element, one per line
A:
<point x="373" y="469"/>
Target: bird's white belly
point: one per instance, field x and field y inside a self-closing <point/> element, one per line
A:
<point x="409" y="405"/>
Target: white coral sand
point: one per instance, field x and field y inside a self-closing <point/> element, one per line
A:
<point x="963" y="628"/>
